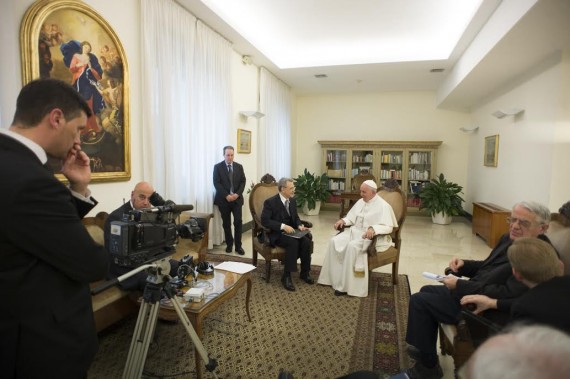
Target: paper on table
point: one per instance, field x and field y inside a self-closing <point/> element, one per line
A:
<point x="237" y="267"/>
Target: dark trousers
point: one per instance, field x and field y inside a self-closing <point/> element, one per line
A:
<point x="296" y="248"/>
<point x="429" y="307"/>
<point x="226" y="211"/>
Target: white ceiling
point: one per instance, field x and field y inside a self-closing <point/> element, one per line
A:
<point x="352" y="27"/>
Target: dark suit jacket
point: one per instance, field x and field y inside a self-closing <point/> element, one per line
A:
<point x="548" y="303"/>
<point x="274" y="214"/>
<point x="493" y="276"/>
<point x="222" y="182"/>
<point x="47" y="260"/>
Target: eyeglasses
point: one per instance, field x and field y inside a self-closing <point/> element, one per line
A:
<point x="522" y="223"/>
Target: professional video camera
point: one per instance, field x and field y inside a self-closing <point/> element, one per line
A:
<point x="148" y="234"/>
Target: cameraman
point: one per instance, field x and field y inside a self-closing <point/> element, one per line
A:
<point x="143" y="196"/>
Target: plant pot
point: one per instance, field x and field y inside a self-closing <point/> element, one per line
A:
<point x="312" y="212"/>
<point x="441" y="218"/>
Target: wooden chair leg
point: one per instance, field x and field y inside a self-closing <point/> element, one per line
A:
<point x="254" y="259"/>
<point x="267" y="269"/>
<point x="395" y="273"/>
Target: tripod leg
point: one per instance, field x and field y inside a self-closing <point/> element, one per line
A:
<point x="211" y="363"/>
<point x="144" y="330"/>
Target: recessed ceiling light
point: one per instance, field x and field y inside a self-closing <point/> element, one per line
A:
<point x="437" y="70"/>
<point x="319" y="76"/>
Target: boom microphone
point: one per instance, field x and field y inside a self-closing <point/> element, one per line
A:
<point x="177" y="208"/>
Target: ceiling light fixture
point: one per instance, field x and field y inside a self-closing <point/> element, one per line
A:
<point x="504" y="113"/>
<point x="436" y="70"/>
<point x="320" y="76"/>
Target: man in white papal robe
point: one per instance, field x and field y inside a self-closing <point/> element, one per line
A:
<point x="345" y="267"/>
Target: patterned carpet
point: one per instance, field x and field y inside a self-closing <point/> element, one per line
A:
<point x="310" y="332"/>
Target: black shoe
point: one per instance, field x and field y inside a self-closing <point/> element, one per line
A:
<point x="288" y="283"/>
<point x="228" y="250"/>
<point x="307" y="278"/>
<point x="414" y="353"/>
<point x="339" y="293"/>
<point x="419" y="371"/>
<point x="240" y="251"/>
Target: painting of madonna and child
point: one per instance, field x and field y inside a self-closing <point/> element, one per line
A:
<point x="75" y="48"/>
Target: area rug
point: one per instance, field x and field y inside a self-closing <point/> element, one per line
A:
<point x="310" y="333"/>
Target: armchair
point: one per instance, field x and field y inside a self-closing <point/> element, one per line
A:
<point x="396" y="198"/>
<point x="263" y="190"/>
<point x="360" y="178"/>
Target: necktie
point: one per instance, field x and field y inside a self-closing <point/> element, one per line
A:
<point x="231" y="173"/>
<point x="287" y="207"/>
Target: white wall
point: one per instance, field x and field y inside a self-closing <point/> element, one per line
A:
<point x="534" y="147"/>
<point x="390" y="116"/>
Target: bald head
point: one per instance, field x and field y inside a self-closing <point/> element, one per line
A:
<point x="140" y="197"/>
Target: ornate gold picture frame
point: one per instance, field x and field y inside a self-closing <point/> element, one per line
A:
<point x="68" y="40"/>
<point x="491" y="151"/>
<point x="244" y="141"/>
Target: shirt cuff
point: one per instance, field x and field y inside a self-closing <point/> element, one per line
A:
<point x="86" y="199"/>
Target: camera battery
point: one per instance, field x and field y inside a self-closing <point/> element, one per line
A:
<point x="194" y="295"/>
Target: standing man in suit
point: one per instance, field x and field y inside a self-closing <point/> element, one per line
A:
<point x="280" y="215"/>
<point x="229" y="181"/>
<point x="47" y="257"/>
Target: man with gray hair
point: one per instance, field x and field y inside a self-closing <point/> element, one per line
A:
<point x="492" y="277"/>
<point x="532" y="352"/>
<point x="280" y="215"/>
<point x="345" y="267"/>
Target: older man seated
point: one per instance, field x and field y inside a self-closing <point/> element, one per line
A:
<point x="345" y="267"/>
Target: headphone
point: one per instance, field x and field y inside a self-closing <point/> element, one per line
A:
<point x="205" y="268"/>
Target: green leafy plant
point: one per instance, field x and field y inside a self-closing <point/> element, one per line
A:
<point x="310" y="188"/>
<point x="439" y="195"/>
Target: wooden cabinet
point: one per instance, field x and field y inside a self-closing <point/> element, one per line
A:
<point x="411" y="163"/>
<point x="490" y="222"/>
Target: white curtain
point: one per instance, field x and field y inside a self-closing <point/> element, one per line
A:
<point x="186" y="103"/>
<point x="168" y="36"/>
<point x="212" y="115"/>
<point x="275" y="127"/>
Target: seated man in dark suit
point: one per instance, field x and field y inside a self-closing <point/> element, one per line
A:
<point x="436" y="304"/>
<point x="280" y="215"/>
<point x="537" y="265"/>
<point x="143" y="196"/>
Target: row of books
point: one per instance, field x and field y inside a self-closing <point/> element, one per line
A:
<point x="414" y="201"/>
<point x="420" y="158"/>
<point x="392" y="158"/>
<point x="390" y="174"/>
<point x="336" y="156"/>
<point x="336" y="185"/>
<point x="414" y="174"/>
<point x="360" y="158"/>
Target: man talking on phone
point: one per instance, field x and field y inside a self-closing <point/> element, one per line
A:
<point x="47" y="258"/>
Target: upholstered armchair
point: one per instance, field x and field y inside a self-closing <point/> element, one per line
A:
<point x="360" y="178"/>
<point x="397" y="200"/>
<point x="263" y="190"/>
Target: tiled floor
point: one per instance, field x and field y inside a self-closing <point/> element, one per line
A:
<point x="425" y="247"/>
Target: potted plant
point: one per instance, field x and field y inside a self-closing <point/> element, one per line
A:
<point x="310" y="191"/>
<point x="441" y="198"/>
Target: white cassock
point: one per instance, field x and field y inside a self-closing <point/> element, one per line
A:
<point x="345" y="267"/>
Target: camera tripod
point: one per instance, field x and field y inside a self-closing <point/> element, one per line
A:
<point x="156" y="285"/>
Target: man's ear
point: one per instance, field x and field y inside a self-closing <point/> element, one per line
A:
<point x="517" y="275"/>
<point x="56" y="117"/>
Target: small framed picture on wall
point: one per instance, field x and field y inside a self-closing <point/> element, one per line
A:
<point x="244" y="141"/>
<point x="491" y="151"/>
